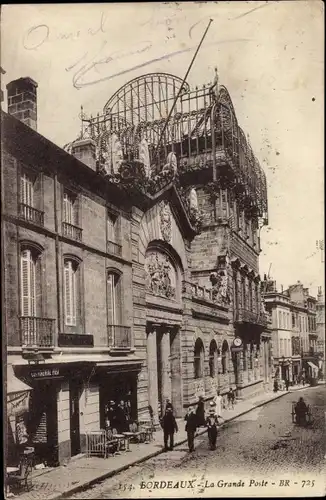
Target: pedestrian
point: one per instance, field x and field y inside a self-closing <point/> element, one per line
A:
<point x="212" y="423"/>
<point x="121" y="418"/>
<point x="170" y="426"/>
<point x="168" y="404"/>
<point x="231" y="398"/>
<point x="218" y="404"/>
<point x="200" y="412"/>
<point x="275" y="385"/>
<point x="191" y="427"/>
<point x="287" y="384"/>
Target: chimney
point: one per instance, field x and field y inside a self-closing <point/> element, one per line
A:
<point x="85" y="151"/>
<point x="22" y="101"/>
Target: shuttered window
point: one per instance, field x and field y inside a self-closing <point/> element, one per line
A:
<point x="70" y="292"/>
<point x="114" y="299"/>
<point x="69" y="209"/>
<point x="28" y="279"/>
<point x="111" y="227"/>
<point x="27" y="190"/>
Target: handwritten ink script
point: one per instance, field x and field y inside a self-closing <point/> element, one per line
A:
<point x="40" y="34"/>
<point x="96" y="64"/>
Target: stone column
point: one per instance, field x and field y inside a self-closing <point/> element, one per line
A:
<point x="152" y="373"/>
<point x="165" y="367"/>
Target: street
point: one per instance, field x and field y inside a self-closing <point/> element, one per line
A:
<point x="258" y="445"/>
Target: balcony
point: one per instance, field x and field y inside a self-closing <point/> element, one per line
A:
<point x="70" y="231"/>
<point x="246" y="316"/>
<point x="119" y="337"/>
<point x="31" y="214"/>
<point x="114" y="248"/>
<point x="36" y="332"/>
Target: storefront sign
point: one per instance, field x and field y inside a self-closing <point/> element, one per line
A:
<point x="45" y="373"/>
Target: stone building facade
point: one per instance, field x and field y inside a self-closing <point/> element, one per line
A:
<point x="131" y="257"/>
<point x="294" y="335"/>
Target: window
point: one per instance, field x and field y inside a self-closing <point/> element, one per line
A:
<point x="249" y="295"/>
<point x="27" y="190"/>
<point x="235" y="291"/>
<point x="111" y="227"/>
<point x="280" y="324"/>
<point x="114" y="298"/>
<point x="281" y="347"/>
<point x="243" y="292"/>
<point x="29" y="265"/>
<point x="225" y="356"/>
<point x="213" y="359"/>
<point x="199" y="359"/>
<point x="70" y="209"/>
<point x="71" y="288"/>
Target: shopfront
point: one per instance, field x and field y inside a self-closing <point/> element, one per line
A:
<point x="18" y="396"/>
<point x="118" y="385"/>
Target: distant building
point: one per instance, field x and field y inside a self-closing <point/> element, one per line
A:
<point x="294" y="336"/>
<point x="320" y="328"/>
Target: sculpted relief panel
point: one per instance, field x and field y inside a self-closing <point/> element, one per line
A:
<point x="160" y="275"/>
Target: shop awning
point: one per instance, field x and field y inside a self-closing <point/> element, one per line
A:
<point x="17" y="394"/>
<point x="312" y="365"/>
<point x="14" y="384"/>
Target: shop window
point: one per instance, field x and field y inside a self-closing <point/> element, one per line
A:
<point x="199" y="359"/>
<point x="213" y="355"/>
<point x="71" y="292"/>
<point x="30" y="268"/>
<point x="114" y="298"/>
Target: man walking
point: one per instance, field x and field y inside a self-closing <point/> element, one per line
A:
<point x="169" y="426"/>
<point x="191" y="427"/>
<point x="200" y="412"/>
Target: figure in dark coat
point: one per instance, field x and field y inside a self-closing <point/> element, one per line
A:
<point x="169" y="426"/>
<point x="212" y="423"/>
<point x="301" y="411"/>
<point x="191" y="427"/>
<point x="200" y="412"/>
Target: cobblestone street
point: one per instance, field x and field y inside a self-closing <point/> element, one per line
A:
<point x="259" y="444"/>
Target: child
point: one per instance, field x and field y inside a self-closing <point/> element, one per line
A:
<point x="212" y="423"/>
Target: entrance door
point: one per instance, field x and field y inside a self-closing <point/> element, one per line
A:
<point x="74" y="417"/>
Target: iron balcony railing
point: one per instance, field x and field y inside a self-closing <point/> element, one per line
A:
<point x="246" y="316"/>
<point x="119" y="336"/>
<point x="36" y="332"/>
<point x="113" y="247"/>
<point x="73" y="232"/>
<point x="31" y="214"/>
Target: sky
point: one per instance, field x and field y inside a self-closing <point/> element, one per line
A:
<point x="269" y="55"/>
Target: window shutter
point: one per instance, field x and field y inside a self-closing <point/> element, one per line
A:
<point x="67" y="293"/>
<point x="110" y="299"/>
<point x="27" y="284"/>
<point x="110" y="228"/>
<point x="73" y="295"/>
<point x="27" y="191"/>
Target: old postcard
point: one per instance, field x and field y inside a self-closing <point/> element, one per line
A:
<point x="163" y="301"/>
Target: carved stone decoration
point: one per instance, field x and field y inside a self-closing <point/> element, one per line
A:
<point x="220" y="282"/>
<point x="171" y="164"/>
<point x="166" y="222"/>
<point x="160" y="275"/>
<point x="144" y="156"/>
<point x="109" y="153"/>
<point x="193" y="200"/>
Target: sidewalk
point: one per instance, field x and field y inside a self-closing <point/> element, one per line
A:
<point x="81" y="473"/>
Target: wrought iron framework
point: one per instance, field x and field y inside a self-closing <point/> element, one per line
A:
<point x="203" y="133"/>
